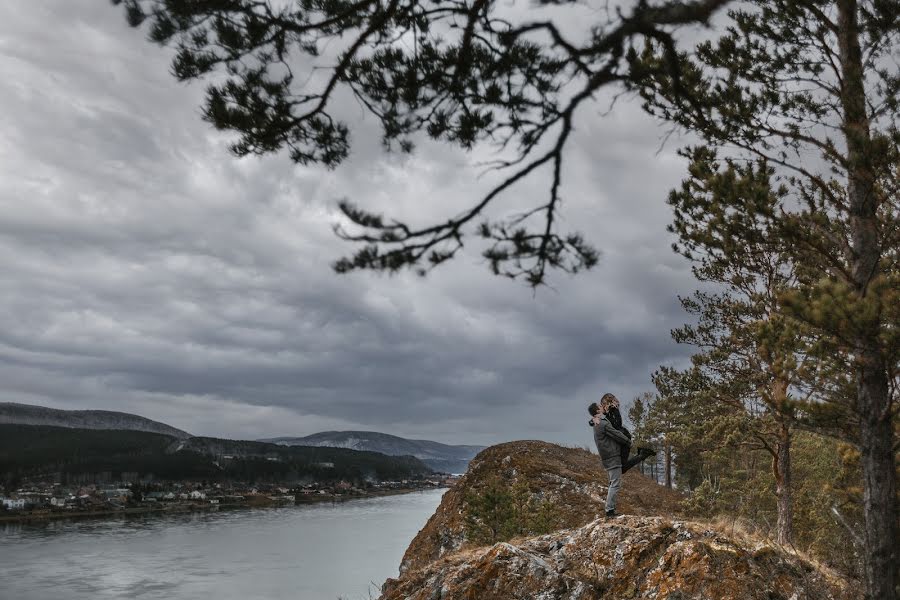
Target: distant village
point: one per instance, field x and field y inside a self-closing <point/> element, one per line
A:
<point x="54" y="499"/>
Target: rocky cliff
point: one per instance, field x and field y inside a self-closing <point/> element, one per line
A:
<point x="572" y="480"/>
<point x="653" y="552"/>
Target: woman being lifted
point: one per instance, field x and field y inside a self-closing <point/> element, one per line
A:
<point x="613" y="444"/>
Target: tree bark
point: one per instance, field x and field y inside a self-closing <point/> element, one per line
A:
<point x="873" y="401"/>
<point x="783" y="487"/>
<point x="668" y="465"/>
<point x="781" y="462"/>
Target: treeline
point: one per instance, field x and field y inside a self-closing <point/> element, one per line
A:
<point x="294" y="463"/>
<point x="84" y="455"/>
<point x="730" y="473"/>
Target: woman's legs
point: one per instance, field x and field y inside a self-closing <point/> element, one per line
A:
<point x="642" y="454"/>
<point x="637" y="458"/>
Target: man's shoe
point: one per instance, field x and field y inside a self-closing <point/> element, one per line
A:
<point x="611" y="513"/>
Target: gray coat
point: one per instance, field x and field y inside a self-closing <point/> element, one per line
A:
<point x="609" y="442"/>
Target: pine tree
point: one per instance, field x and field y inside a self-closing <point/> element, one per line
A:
<point x="688" y="424"/>
<point x="491" y="514"/>
<point x="811" y="89"/>
<point x="663" y="425"/>
<point x="465" y="73"/>
<point x="637" y="415"/>
<point x="749" y="351"/>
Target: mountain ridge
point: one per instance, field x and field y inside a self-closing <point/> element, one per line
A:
<point x="439" y="456"/>
<point x="13" y="413"/>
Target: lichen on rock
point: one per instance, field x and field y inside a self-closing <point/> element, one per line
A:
<point x="649" y="554"/>
<point x="571" y="480"/>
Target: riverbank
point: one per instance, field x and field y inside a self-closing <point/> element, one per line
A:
<point x="177" y="508"/>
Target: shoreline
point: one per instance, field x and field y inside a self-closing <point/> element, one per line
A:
<point x="189" y="508"/>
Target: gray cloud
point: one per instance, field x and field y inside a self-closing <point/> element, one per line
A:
<point x="147" y="270"/>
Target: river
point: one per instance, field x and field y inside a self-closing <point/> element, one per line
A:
<point x="310" y="552"/>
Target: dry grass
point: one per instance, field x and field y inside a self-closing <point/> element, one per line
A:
<point x="735" y="528"/>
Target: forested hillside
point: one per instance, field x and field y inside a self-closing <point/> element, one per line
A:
<point x="74" y="455"/>
<point x="440" y="457"/>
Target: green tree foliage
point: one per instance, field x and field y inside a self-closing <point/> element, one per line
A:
<point x="681" y="421"/>
<point x="809" y="89"/>
<point x="461" y="72"/>
<point x="499" y="511"/>
<point x="827" y="479"/>
<point x="749" y="351"/>
<point x="665" y="426"/>
<point x="738" y="486"/>
<point x="729" y="475"/>
<point x="490" y="514"/>
<point x="637" y="413"/>
<point x="86" y="455"/>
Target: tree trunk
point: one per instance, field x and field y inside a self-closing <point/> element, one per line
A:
<point x="781" y="462"/>
<point x="783" y="484"/>
<point x="873" y="402"/>
<point x="879" y="481"/>
<point x="668" y="465"/>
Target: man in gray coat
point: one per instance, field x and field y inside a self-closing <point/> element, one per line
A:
<point x="609" y="442"/>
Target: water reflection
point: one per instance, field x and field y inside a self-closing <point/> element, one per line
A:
<point x="305" y="553"/>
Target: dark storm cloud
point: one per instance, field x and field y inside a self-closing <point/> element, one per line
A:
<point x="149" y="271"/>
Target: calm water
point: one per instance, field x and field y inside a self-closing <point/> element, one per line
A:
<point x="308" y="552"/>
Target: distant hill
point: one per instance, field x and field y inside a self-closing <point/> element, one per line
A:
<point x="71" y="455"/>
<point x="440" y="457"/>
<point x="26" y="414"/>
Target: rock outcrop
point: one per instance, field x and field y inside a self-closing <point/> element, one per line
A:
<point x="625" y="557"/>
<point x="652" y="553"/>
<point x="571" y="478"/>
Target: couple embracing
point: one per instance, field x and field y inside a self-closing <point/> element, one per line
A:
<point x="614" y="445"/>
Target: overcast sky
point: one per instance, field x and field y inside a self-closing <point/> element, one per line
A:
<point x="147" y="270"/>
